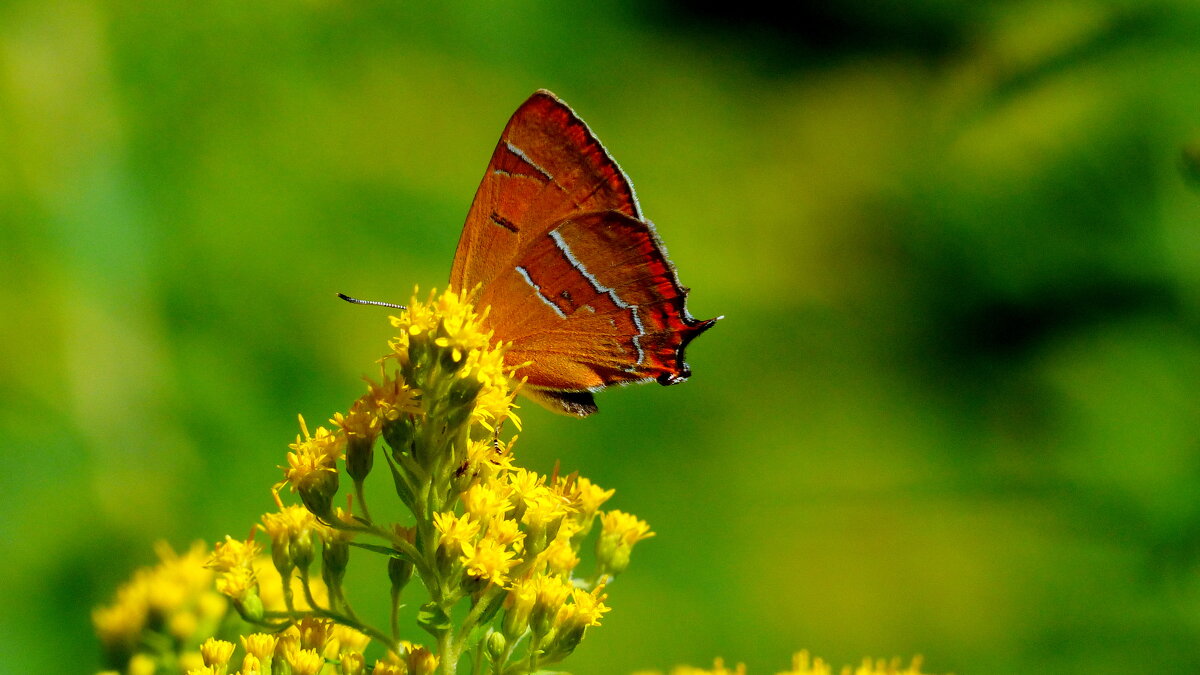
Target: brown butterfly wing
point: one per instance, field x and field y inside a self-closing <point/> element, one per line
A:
<point x="593" y="302"/>
<point x="547" y="166"/>
<point x="578" y="282"/>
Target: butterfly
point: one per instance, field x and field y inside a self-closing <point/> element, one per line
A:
<point x="578" y="281"/>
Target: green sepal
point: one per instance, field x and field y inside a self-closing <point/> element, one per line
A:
<point x="402" y="488"/>
<point x="433" y="619"/>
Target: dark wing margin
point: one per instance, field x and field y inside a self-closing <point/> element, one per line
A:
<point x="575" y="403"/>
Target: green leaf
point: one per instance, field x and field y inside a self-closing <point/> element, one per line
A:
<point x="476" y="634"/>
<point x="494" y="605"/>
<point x="386" y="550"/>
<point x="433" y="619"/>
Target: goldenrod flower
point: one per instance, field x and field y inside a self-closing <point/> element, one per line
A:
<point x="506" y="532"/>
<point x="121" y="623"/>
<point x="421" y="661"/>
<point x="251" y="665"/>
<point x="390" y="665"/>
<point x="291" y="531"/>
<point x="335" y="553"/>
<point x="142" y="664"/>
<point x="312" y="468"/>
<point x="362" y="420"/>
<point x="585" y="609"/>
<point x="360" y="426"/>
<point x="574" y="619"/>
<point x="456" y="531"/>
<point x="348" y="640"/>
<point x="351" y="663"/>
<point x="518" y="606"/>
<point x="587" y="498"/>
<point x="543" y="509"/>
<point x="304" y="661"/>
<point x="488" y="459"/>
<point x="488" y="560"/>
<point x="170" y="593"/>
<point x="216" y="652"/>
<point x="484" y="503"/>
<point x="260" y="645"/>
<point x="232" y="554"/>
<point x="522" y="484"/>
<point x="803" y="664"/>
<point x="389" y="399"/>
<point x="448" y="331"/>
<point x="552" y="592"/>
<point x="560" y="556"/>
<point x="620" y="532"/>
<point x="313" y="632"/>
<point x="233" y="561"/>
<point x="626" y="527"/>
<point x="238" y="584"/>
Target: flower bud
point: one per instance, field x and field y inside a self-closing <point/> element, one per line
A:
<point x="317" y="490"/>
<point x="518" y="606"/>
<point x="421" y="661"/>
<point x="251" y="665"/>
<point x="400" y="571"/>
<point x="399" y="434"/>
<point x="351" y="663"/>
<point x="360" y="456"/>
<point x="464" y="390"/>
<point x="568" y="639"/>
<point x="496" y="644"/>
<point x="250" y="606"/>
<point x="335" y="554"/>
<point x="302" y="549"/>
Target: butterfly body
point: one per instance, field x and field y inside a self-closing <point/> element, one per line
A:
<point x="578" y="281"/>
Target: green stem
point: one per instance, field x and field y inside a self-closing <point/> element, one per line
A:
<point x="481" y="605"/>
<point x="498" y="666"/>
<point x="343" y="619"/>
<point x="534" y="645"/>
<point x="362" y="499"/>
<point x="394" y="614"/>
<point x="447" y="654"/>
<point x="477" y="666"/>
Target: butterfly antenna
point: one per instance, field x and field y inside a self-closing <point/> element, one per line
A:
<point x="356" y="301"/>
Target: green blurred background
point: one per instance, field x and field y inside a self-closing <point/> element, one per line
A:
<point x="952" y="409"/>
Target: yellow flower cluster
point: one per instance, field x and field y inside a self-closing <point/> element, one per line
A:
<point x="449" y="325"/>
<point x="515" y="522"/>
<point x="163" y="618"/>
<point x="175" y="596"/>
<point x="308" y="647"/>
<point x="803" y="664"/>
<point x="497" y="547"/>
<point x="312" y="467"/>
